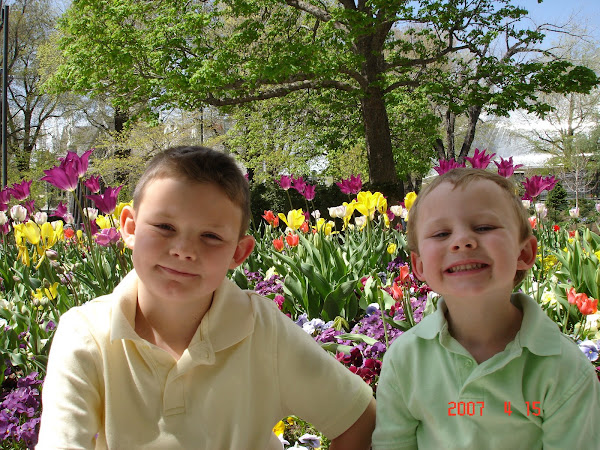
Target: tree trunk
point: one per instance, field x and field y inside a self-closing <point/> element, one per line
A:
<point x="473" y="112"/>
<point x="382" y="169"/>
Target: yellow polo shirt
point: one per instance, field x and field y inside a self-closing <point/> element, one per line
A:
<point x="247" y="366"/>
<point x="540" y="392"/>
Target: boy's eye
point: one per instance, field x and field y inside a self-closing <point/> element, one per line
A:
<point x="484" y="228"/>
<point x="440" y="234"/>
<point x="212" y="237"/>
<point x="165" y="226"/>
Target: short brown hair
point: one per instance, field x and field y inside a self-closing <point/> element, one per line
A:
<point x="461" y="177"/>
<point x="201" y="165"/>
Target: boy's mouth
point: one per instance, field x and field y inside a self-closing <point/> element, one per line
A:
<point x="466" y="267"/>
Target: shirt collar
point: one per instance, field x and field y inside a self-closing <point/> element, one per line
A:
<point x="229" y="319"/>
<point x="538" y="332"/>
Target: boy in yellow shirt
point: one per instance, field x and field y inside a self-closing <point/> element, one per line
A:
<point x="488" y="369"/>
<point x="178" y="356"/>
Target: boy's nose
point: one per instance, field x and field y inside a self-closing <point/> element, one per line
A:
<point x="464" y="241"/>
<point x="183" y="249"/>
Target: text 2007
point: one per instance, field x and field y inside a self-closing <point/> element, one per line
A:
<point x="465" y="408"/>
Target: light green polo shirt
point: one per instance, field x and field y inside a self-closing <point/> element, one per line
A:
<point x="432" y="394"/>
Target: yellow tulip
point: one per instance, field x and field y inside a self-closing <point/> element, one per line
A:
<point x="409" y="199"/>
<point x="59" y="230"/>
<point x="103" y="222"/>
<point x="350" y="207"/>
<point x="49" y="293"/>
<point x="294" y="218"/>
<point x="48" y="236"/>
<point x="368" y="203"/>
<point x="79" y="235"/>
<point x="327" y="227"/>
<point x="392" y="248"/>
<point x="31" y="231"/>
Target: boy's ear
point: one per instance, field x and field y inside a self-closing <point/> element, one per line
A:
<point x="128" y="226"/>
<point x="528" y="253"/>
<point x="242" y="251"/>
<point x="417" y="265"/>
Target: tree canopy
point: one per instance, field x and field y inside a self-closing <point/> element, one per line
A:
<point x="175" y="53"/>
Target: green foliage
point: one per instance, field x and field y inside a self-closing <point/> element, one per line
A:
<point x="347" y="61"/>
<point x="557" y="202"/>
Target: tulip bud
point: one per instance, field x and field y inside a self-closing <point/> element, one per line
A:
<point x="17" y="278"/>
<point x="3" y="218"/>
<point x="526" y="203"/>
<point x="52" y="255"/>
<point x="46" y="284"/>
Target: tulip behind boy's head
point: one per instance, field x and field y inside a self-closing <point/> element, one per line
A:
<point x="464" y="178"/>
<point x="199" y="165"/>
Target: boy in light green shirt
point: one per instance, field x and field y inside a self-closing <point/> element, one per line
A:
<point x="487" y="370"/>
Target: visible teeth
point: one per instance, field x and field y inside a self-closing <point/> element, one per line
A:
<point x="466" y="267"/>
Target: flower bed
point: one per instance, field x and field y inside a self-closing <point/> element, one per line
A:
<point x="342" y="275"/>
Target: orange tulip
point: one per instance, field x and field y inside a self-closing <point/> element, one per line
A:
<point x="278" y="244"/>
<point x="292" y="240"/>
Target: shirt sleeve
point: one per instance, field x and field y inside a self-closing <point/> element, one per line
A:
<point x="395" y="427"/>
<point x="71" y="395"/>
<point x="575" y="420"/>
<point x="314" y="385"/>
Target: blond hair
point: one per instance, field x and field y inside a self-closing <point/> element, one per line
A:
<point x="461" y="177"/>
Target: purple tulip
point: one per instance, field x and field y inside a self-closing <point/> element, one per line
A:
<point x="66" y="175"/>
<point x="285" y="182"/>
<point x="506" y="167"/>
<point x="4" y="199"/>
<point x="446" y="166"/>
<point x="20" y="191"/>
<point x="536" y="184"/>
<point x="107" y="236"/>
<point x="299" y="184"/>
<point x="309" y="192"/>
<point x="106" y="202"/>
<point x="61" y="210"/>
<point x="351" y="185"/>
<point x="480" y="160"/>
<point x="30" y="207"/>
<point x="93" y="184"/>
<point x="63" y="176"/>
<point x="79" y="163"/>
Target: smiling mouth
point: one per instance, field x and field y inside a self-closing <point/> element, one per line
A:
<point x="466" y="267"/>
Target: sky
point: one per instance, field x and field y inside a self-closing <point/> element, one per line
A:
<point x="582" y="12"/>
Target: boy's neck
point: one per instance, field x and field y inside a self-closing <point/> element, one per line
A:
<point x="171" y="329"/>
<point x="483" y="329"/>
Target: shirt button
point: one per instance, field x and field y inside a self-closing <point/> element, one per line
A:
<point x="468" y="363"/>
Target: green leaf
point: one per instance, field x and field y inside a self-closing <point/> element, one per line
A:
<point x="400" y="324"/>
<point x="357" y="338"/>
<point x="336" y="348"/>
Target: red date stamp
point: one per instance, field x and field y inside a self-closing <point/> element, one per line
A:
<point x="465" y="408"/>
<point x="476" y="408"/>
